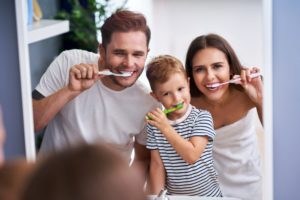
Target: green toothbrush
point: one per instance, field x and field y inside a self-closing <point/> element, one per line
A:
<point x="166" y="111"/>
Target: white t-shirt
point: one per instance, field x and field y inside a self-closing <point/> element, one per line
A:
<point x="97" y="114"/>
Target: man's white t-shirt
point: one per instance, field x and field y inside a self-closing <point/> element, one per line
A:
<point x="98" y="114"/>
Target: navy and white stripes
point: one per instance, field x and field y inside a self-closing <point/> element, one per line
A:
<point x="198" y="179"/>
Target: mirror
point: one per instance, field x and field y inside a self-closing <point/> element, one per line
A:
<point x="246" y="25"/>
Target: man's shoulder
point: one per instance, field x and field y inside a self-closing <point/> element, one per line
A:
<point x="79" y="55"/>
<point x="141" y="91"/>
<point x="139" y="86"/>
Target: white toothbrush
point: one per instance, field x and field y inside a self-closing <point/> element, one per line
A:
<point x="254" y="75"/>
<point x="108" y="73"/>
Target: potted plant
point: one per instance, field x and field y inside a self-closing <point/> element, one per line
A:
<point x="85" y="17"/>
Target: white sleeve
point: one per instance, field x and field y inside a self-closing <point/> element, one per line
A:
<point x="141" y="138"/>
<point x="56" y="76"/>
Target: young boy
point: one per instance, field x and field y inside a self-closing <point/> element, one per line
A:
<point x="181" y="141"/>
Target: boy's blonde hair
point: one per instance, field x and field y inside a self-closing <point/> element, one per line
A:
<point x="160" y="69"/>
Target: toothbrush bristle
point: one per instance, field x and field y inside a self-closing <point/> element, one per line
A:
<point x="179" y="105"/>
<point x="126" y="73"/>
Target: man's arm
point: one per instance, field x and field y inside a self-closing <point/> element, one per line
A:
<point x="46" y="108"/>
<point x="81" y="77"/>
<point x="141" y="161"/>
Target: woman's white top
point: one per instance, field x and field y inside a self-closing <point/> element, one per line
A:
<point x="237" y="160"/>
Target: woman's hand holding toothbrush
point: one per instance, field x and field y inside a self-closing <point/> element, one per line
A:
<point x="252" y="84"/>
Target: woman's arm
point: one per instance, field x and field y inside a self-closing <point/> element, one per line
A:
<point x="157" y="173"/>
<point x="253" y="88"/>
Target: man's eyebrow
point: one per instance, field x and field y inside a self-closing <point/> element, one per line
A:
<point x="119" y="51"/>
<point x="139" y="52"/>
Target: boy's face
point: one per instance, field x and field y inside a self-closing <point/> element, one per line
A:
<point x="176" y="90"/>
<point x="126" y="52"/>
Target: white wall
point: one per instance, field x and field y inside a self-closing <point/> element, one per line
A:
<point x="175" y="23"/>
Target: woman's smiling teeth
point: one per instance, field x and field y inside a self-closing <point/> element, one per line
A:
<point x="211" y="86"/>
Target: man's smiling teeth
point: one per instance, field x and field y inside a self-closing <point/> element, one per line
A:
<point x="128" y="73"/>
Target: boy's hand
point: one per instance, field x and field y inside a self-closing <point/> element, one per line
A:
<point x="159" y="120"/>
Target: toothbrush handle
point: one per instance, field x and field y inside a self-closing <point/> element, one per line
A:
<point x="105" y="72"/>
<point x="166" y="111"/>
<point x="254" y="75"/>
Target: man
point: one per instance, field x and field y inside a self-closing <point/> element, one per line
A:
<point x="78" y="105"/>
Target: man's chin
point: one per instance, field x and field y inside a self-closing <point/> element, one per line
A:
<point x="124" y="83"/>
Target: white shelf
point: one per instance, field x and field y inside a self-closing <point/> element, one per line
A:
<point x="46" y="28"/>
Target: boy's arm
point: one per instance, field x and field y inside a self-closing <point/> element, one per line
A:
<point x="157" y="173"/>
<point x="189" y="150"/>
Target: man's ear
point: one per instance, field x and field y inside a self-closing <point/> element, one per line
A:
<point x="101" y="63"/>
<point x="101" y="50"/>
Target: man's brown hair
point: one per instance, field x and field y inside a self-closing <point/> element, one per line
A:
<point x="124" y="21"/>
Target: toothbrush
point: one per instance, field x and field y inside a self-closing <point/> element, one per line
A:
<point x="166" y="111"/>
<point x="107" y="73"/>
<point x="254" y="75"/>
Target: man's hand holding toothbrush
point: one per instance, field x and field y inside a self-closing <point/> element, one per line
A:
<point x="82" y="77"/>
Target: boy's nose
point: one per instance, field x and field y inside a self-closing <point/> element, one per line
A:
<point x="177" y="98"/>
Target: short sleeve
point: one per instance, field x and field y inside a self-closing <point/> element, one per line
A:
<point x="203" y="125"/>
<point x="141" y="138"/>
<point x="151" y="141"/>
<point x="56" y="76"/>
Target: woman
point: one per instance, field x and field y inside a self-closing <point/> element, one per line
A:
<point x="211" y="60"/>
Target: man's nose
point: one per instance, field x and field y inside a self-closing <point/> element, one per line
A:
<point x="129" y="61"/>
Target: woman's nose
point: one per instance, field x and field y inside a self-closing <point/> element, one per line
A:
<point x="210" y="75"/>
